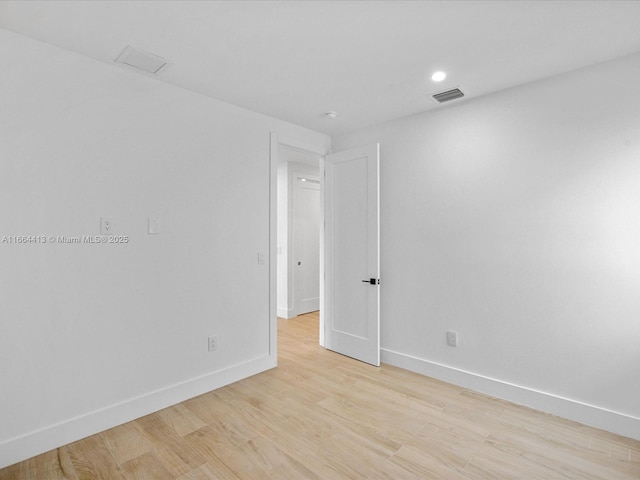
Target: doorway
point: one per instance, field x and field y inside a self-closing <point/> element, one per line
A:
<point x="298" y="232"/>
<point x="349" y="198"/>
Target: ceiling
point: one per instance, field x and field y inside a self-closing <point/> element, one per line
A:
<point x="368" y="60"/>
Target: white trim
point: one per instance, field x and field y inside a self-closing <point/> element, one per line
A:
<point x="592" y="415"/>
<point x="288" y="313"/>
<point x="34" y="443"/>
<point x="303" y="147"/>
<point x="273" y="245"/>
<point x="321" y="324"/>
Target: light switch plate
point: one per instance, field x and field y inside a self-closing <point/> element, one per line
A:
<point x="153" y="226"/>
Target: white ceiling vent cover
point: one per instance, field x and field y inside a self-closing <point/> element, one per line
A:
<point x="448" y="95"/>
<point x="141" y="60"/>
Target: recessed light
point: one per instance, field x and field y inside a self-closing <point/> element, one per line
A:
<point x="438" y="76"/>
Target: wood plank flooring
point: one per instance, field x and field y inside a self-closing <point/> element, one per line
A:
<point x="320" y="415"/>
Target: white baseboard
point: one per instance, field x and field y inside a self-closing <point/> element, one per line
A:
<point x="34" y="443"/>
<point x="594" y="416"/>
<point x="286" y="313"/>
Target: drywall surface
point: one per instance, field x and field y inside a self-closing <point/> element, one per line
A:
<point x="94" y="334"/>
<point x="514" y="220"/>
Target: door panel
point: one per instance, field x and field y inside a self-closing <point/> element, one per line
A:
<point x="352" y="256"/>
<point x="306" y="247"/>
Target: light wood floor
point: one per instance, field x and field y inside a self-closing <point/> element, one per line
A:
<point x="320" y="415"/>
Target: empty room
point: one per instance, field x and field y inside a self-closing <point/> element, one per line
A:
<point x="319" y="240"/>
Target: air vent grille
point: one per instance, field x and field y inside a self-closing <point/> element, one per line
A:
<point x="448" y="95"/>
<point x="145" y="61"/>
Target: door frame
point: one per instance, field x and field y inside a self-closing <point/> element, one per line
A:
<point x="320" y="149"/>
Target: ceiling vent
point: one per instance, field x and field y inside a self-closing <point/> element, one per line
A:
<point x="448" y="95"/>
<point x="147" y="62"/>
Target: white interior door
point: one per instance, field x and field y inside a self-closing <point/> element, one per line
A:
<point x="306" y="243"/>
<point x="352" y="253"/>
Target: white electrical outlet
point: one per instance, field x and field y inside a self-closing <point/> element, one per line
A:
<point x="452" y="339"/>
<point x="106" y="226"/>
<point x="213" y="343"/>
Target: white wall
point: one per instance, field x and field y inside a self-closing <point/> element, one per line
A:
<point x="95" y="335"/>
<point x="514" y="219"/>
